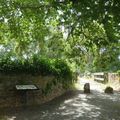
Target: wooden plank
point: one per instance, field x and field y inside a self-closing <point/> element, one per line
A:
<point x="101" y="79"/>
<point x="101" y="73"/>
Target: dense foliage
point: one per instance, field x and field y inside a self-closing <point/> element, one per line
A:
<point x="36" y="66"/>
<point x="84" y="33"/>
<point x="40" y="66"/>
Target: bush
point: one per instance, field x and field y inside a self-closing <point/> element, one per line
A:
<point x="38" y="66"/>
<point x="118" y="72"/>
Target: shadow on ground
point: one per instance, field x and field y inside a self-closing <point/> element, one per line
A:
<point x="73" y="105"/>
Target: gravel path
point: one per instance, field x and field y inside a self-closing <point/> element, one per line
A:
<point x="74" y="105"/>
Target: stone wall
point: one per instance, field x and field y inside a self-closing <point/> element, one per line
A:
<point x="10" y="97"/>
<point x="114" y="80"/>
<point x="113" y="77"/>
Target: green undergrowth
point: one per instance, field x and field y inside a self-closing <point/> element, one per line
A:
<point x="36" y="66"/>
<point x="118" y="72"/>
<point x="40" y="66"/>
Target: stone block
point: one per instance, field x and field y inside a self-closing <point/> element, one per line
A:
<point x="109" y="90"/>
<point x="87" y="88"/>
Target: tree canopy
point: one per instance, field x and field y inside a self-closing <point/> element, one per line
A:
<point x="85" y="33"/>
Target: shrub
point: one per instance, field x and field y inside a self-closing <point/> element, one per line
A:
<point x="118" y="72"/>
<point x="38" y="66"/>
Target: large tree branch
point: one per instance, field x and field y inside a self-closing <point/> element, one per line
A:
<point x="73" y="27"/>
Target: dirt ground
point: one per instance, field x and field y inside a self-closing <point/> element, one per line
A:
<point x="73" y="105"/>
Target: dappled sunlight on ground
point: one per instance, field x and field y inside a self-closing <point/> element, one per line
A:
<point x="73" y="105"/>
<point x="93" y="85"/>
<point x="75" y="109"/>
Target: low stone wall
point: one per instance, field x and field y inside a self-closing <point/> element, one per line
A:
<point x="8" y="82"/>
<point x="10" y="97"/>
<point x="114" y="80"/>
<point x="113" y="77"/>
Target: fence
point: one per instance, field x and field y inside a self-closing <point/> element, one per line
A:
<point x="106" y="77"/>
<point x="101" y="77"/>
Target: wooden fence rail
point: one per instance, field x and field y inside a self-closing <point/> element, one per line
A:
<point x="101" y="77"/>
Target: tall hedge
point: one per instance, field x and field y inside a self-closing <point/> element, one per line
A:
<point x="36" y="66"/>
